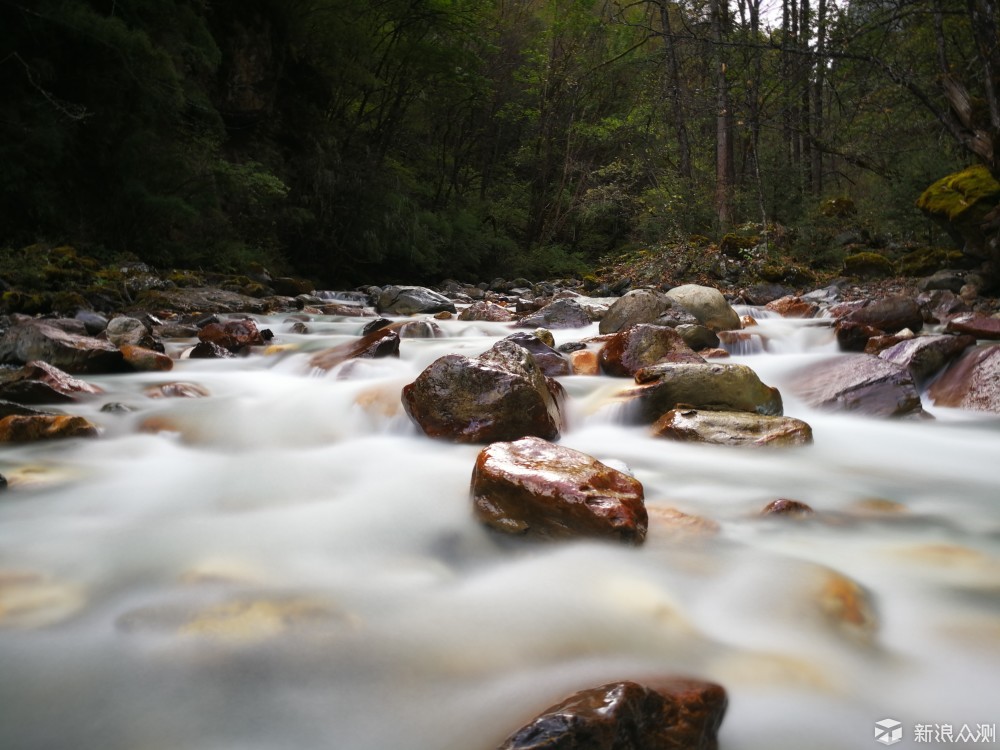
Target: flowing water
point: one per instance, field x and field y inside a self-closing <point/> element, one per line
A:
<point x="288" y="564"/>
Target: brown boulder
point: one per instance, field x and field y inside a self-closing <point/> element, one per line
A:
<point x="785" y="507"/>
<point x="46" y="341"/>
<point x="500" y="395"/>
<point x="233" y="335"/>
<point x="487" y="311"/>
<point x="793" y="307"/>
<point x="858" y="383"/>
<point x="146" y="360"/>
<point x="643" y="345"/>
<point x="714" y="386"/>
<point x="41" y="383"/>
<point x="888" y="315"/>
<point x="735" y="428"/>
<point x="27" y="429"/>
<point x="552" y="362"/>
<point x="925" y="356"/>
<point x="382" y="342"/>
<point x="971" y="382"/>
<point x="979" y="326"/>
<point x="537" y="488"/>
<point x="585" y="362"/>
<point x="676" y="714"/>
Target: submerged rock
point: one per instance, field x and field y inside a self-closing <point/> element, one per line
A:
<point x="537" y="488"/>
<point x="675" y="714"/>
<point x="41" y="383"/>
<point x="644" y="345"/>
<point x="30" y="340"/>
<point x="177" y="390"/>
<point x="971" y="382"/>
<point x="860" y="383"/>
<point x="500" y="395"/>
<point x="707" y="305"/>
<point x="735" y="428"/>
<point x="718" y="387"/>
<point x="33" y="428"/>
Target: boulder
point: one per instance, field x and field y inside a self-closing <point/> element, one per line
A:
<point x="126" y="330"/>
<point x="926" y="356"/>
<point x="737" y="428"/>
<point x="859" y="383"/>
<point x="382" y="342"/>
<point x="552" y="362"/>
<point x="675" y="714"/>
<point x="209" y="350"/>
<point x="487" y="311"/>
<point x="500" y="395"/>
<point x="562" y="313"/>
<point x="643" y="345"/>
<point x="707" y="305"/>
<point x="695" y="335"/>
<point x="234" y="335"/>
<point x="637" y="306"/>
<point x="534" y="487"/>
<point x="713" y="386"/>
<point x="941" y="306"/>
<point x="793" y="307"/>
<point x="411" y="300"/>
<point x="141" y="359"/>
<point x="41" y="383"/>
<point x="971" y="382"/>
<point x="888" y="315"/>
<point x="979" y="326"/>
<point x="31" y="340"/>
<point x="29" y="429"/>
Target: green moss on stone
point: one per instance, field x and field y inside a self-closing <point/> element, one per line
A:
<point x="927" y="260"/>
<point x="867" y="265"/>
<point x="952" y="196"/>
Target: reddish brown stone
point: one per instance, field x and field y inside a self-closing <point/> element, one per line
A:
<point x="552" y="362"/>
<point x="41" y="383"/>
<point x="714" y="354"/>
<point x="643" y="345"/>
<point x="233" y="335"/>
<point x="979" y="326"/>
<point x="146" y="360"/>
<point x="793" y="307"/>
<point x="878" y="344"/>
<point x="26" y="429"/>
<point x="890" y="315"/>
<point x="383" y="342"/>
<point x="854" y="337"/>
<point x="925" y="356"/>
<point x="971" y="382"/>
<point x="487" y="311"/>
<point x="532" y="486"/>
<point x="785" y="507"/>
<point x="676" y="714"/>
<point x="585" y="362"/>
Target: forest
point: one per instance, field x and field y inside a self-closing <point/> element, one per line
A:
<point x="408" y="140"/>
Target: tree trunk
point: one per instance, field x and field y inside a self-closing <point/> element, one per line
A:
<point x="819" y="78"/>
<point x="673" y="84"/>
<point x="724" y="168"/>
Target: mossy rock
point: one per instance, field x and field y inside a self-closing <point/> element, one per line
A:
<point x="953" y="196"/>
<point x="867" y="265"/>
<point x="838" y="208"/>
<point x="927" y="260"/>
<point x="778" y="273"/>
<point x="736" y="246"/>
<point x="185" y="279"/>
<point x="15" y="301"/>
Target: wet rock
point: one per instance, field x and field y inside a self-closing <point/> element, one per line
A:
<point x="141" y="359"/>
<point x="785" y="507"/>
<point x="707" y="305"/>
<point x="209" y="350"/>
<point x="537" y="488"/>
<point x="29" y="429"/>
<point x="500" y="395"/>
<point x="411" y="300"/>
<point x="545" y="336"/>
<point x="979" y="326"/>
<point x="858" y="383"/>
<point x="848" y="606"/>
<point x="383" y="342"/>
<point x="177" y="390"/>
<point x="878" y="344"/>
<point x="562" y="313"/>
<point x="732" y="428"/>
<point x="200" y="300"/>
<point x="644" y="345"/>
<point x="175" y="331"/>
<point x="949" y="279"/>
<point x="678" y="525"/>
<point x="93" y="322"/>
<point x="677" y="714"/>
<point x="297" y="327"/>
<point x="443" y="315"/>
<point x="585" y="362"/>
<point x="418" y="329"/>
<point x="714" y="353"/>
<point x="345" y="310"/>
<point x="234" y="335"/>
<point x="41" y="383"/>
<point x="31" y="600"/>
<point x="3" y="483"/>
<point x="713" y="386"/>
<point x="487" y="311"/>
<point x="8" y="408"/>
<point x="637" y="306"/>
<point x="941" y="306"/>
<point x="854" y="337"/>
<point x="793" y="307"/>
<point x="125" y="330"/>
<point x="695" y="335"/>
<point x="971" y="382"/>
<point x="552" y="362"/>
<point x="30" y="340"/>
<point x="375" y="325"/>
<point x="925" y="356"/>
<point x="888" y="315"/>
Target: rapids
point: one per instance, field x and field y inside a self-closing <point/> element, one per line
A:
<point x="287" y="564"/>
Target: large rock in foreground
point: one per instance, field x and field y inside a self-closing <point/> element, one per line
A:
<point x="972" y="381"/>
<point x="717" y="387"/>
<point x="676" y="715"/>
<point x="732" y="428"/>
<point x="860" y="383"/>
<point x="410" y="300"/>
<point x="707" y="305"/>
<point x="31" y="340"/>
<point x="41" y="383"/>
<point x="644" y="345"/>
<point x="500" y="395"/>
<point x="534" y="487"/>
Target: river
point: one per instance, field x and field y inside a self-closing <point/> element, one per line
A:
<point x="289" y="564"/>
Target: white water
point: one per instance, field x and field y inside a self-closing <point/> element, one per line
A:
<point x="386" y="618"/>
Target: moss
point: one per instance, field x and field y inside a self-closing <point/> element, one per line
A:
<point x="735" y="245"/>
<point x="185" y="279"/>
<point x="837" y="207"/>
<point x="952" y="196"/>
<point x="867" y="265"/>
<point x="927" y="260"/>
<point x="29" y="304"/>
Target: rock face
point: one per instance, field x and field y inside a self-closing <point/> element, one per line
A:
<point x="31" y="340"/>
<point x="537" y="488"/>
<point x="675" y="715"/>
<point x="637" y="306"/>
<point x="925" y="356"/>
<point x="382" y="342"/>
<point x="410" y="300"/>
<point x="41" y="383"/>
<point x="716" y="387"/>
<point x="707" y="305"/>
<point x="500" y="395"/>
<point x="563" y="313"/>
<point x="979" y="326"/>
<point x="488" y="311"/>
<point x="644" y="345"/>
<point x="26" y="429"/>
<point x="858" y="383"/>
<point x="732" y="428"/>
<point x="972" y="382"/>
